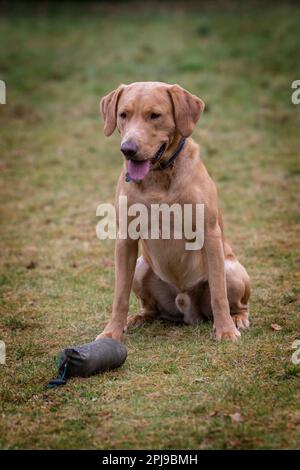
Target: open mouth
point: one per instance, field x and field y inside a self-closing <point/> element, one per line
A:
<point x="137" y="170"/>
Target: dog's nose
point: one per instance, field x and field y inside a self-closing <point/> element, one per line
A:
<point x="129" y="149"/>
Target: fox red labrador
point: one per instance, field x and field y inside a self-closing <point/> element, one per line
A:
<point x="162" y="164"/>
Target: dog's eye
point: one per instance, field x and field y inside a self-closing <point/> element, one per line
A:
<point x="123" y="115"/>
<point x="154" y="116"/>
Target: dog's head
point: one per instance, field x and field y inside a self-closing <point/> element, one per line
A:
<point x="149" y="115"/>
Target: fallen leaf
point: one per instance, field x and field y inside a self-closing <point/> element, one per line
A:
<point x="30" y="250"/>
<point x="106" y="414"/>
<point x="31" y="265"/>
<point x="213" y="413"/>
<point x="237" y="417"/>
<point x="276" y="327"/>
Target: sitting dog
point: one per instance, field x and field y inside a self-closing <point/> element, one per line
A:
<point x="162" y="164"/>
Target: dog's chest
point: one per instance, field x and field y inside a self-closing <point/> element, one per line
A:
<point x="172" y="263"/>
<point x="172" y="238"/>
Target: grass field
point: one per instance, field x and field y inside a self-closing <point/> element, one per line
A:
<point x="178" y="388"/>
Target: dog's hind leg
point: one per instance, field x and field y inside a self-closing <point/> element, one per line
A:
<point x="238" y="288"/>
<point x="157" y="298"/>
<point x="238" y="292"/>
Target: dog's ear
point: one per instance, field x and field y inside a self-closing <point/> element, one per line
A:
<point x="187" y="109"/>
<point x="108" y="108"/>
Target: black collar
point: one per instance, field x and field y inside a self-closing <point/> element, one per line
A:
<point x="166" y="163"/>
<point x="162" y="165"/>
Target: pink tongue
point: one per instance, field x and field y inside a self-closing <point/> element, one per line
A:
<point x="138" y="170"/>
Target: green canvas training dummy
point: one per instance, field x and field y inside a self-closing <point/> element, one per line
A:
<point x="88" y="359"/>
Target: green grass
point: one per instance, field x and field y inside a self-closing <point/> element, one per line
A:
<point x="178" y="387"/>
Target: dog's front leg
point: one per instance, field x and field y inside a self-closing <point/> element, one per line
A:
<point x="223" y="323"/>
<point x="125" y="260"/>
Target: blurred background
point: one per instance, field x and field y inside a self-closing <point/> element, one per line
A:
<point x="178" y="388"/>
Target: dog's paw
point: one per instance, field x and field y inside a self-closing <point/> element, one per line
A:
<point x="112" y="331"/>
<point x="134" y="321"/>
<point x="241" y="320"/>
<point x="227" y="333"/>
